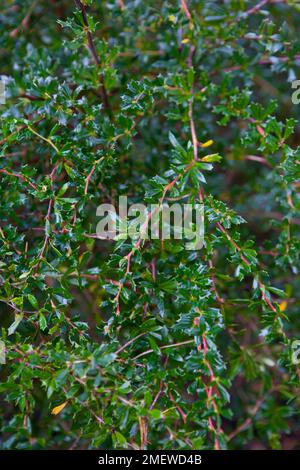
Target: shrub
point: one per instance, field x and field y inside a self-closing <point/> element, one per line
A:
<point x="143" y="344"/>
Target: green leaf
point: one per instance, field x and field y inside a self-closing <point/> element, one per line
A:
<point x="33" y="301"/>
<point x="42" y="322"/>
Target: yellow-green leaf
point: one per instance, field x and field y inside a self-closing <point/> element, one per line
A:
<point x="57" y="409"/>
<point x="214" y="157"/>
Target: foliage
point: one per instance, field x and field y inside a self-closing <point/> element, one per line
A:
<point x="143" y="344"/>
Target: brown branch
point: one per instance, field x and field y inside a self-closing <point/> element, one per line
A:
<point x="87" y="181"/>
<point x="272" y="215"/>
<point x="160" y="391"/>
<point x="47" y="219"/>
<point x="18" y="175"/>
<point x="179" y="409"/>
<point x="265" y="61"/>
<point x="25" y="22"/>
<point x="187" y="13"/>
<point x="256" y="158"/>
<point x="219" y="299"/>
<point x="249" y="420"/>
<point x="93" y="51"/>
<point x="261" y="285"/>
<point x="12" y="134"/>
<point x="149" y="351"/>
<point x="193" y="130"/>
<point x="143" y="424"/>
<point x="143" y="228"/>
<point x="209" y="394"/>
<point x="129" y="343"/>
<point x="255" y="9"/>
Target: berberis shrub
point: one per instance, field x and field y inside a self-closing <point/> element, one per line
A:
<point x="141" y="343"/>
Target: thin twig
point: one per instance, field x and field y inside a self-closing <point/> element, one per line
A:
<point x="249" y="420"/>
<point x="261" y="285"/>
<point x="255" y="9"/>
<point x="187" y="13"/>
<point x="130" y="342"/>
<point x="94" y="54"/>
<point x="87" y="181"/>
<point x="256" y="158"/>
<point x="149" y="351"/>
<point x="20" y="176"/>
<point x="193" y="130"/>
<point x="45" y="139"/>
<point x="143" y="229"/>
<point x="25" y="22"/>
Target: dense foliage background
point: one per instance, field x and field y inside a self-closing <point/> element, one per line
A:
<point x="145" y="344"/>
